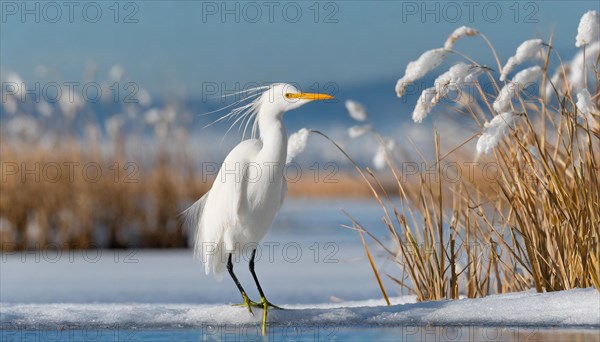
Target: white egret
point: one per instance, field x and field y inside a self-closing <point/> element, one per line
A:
<point x="239" y="209"/>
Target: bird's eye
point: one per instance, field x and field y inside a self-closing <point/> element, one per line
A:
<point x="288" y="95"/>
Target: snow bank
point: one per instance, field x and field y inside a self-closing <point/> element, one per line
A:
<point x="574" y="308"/>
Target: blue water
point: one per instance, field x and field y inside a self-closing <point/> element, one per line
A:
<point x="302" y="260"/>
<point x="299" y="333"/>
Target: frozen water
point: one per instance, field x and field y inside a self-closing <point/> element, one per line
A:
<point x="573" y="308"/>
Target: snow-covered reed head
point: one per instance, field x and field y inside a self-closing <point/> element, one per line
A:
<point x="359" y="113"/>
<point x="419" y="68"/>
<point x="424" y="106"/>
<point x="296" y="144"/>
<point x="587" y="108"/>
<point x="463" y="31"/>
<point x="583" y="64"/>
<point x="356" y="111"/>
<point x="494" y="131"/>
<point x="384" y="152"/>
<point x="70" y="104"/>
<point x="588" y="30"/>
<point x="521" y="80"/>
<point x="358" y="131"/>
<point x="457" y="76"/>
<point x="116" y="73"/>
<point x="529" y="49"/>
<point x="453" y="79"/>
<point x="573" y="73"/>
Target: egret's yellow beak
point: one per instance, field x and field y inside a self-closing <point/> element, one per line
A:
<point x="309" y="96"/>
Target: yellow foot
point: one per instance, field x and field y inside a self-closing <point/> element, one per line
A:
<point x="264" y="319"/>
<point x="249" y="304"/>
<point x="265" y="303"/>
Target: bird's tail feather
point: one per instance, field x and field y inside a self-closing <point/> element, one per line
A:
<point x="192" y="218"/>
<point x="212" y="257"/>
<point x="215" y="262"/>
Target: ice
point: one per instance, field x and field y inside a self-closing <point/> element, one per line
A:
<point x="572" y="308"/>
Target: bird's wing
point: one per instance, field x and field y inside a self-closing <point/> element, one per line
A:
<point x="221" y="208"/>
<point x="284" y="190"/>
<point x="225" y="199"/>
<point x="235" y="165"/>
<point x="193" y="214"/>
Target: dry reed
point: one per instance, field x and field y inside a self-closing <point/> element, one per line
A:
<point x="536" y="224"/>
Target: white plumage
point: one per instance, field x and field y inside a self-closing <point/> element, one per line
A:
<point x="249" y="189"/>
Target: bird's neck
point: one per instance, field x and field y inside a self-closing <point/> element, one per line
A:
<point x="273" y="136"/>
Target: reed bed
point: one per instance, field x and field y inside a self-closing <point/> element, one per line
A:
<point x="133" y="203"/>
<point x="53" y="197"/>
<point x="77" y="211"/>
<point x="536" y="223"/>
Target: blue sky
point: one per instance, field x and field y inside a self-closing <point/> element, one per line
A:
<point x="181" y="44"/>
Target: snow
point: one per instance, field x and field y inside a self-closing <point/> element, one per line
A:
<point x="358" y="131"/>
<point x="573" y="308"/>
<point x="586" y="106"/>
<point x="575" y="70"/>
<point x="528" y="75"/>
<point x="527" y="50"/>
<point x="494" y="131"/>
<point x="44" y="108"/>
<point x="384" y="150"/>
<point x="424" y="106"/>
<point x="23" y="126"/>
<point x="588" y="30"/>
<point x="116" y="73"/>
<point x="582" y="64"/>
<point x="415" y="70"/>
<point x="144" y="98"/>
<point x="356" y="111"/>
<point x="455" y="77"/>
<point x="521" y="80"/>
<point x="71" y="104"/>
<point x="584" y="102"/>
<point x="460" y="32"/>
<point x="296" y="144"/>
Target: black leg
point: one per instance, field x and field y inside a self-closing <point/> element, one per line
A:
<point x="251" y="265"/>
<point x="247" y="302"/>
<point x="264" y="300"/>
<point x="235" y="279"/>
